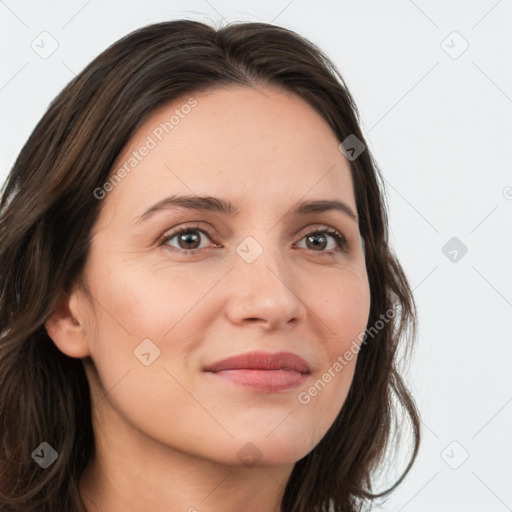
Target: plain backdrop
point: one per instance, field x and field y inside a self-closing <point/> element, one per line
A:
<point x="433" y="84"/>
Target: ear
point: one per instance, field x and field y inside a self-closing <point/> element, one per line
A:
<point x="66" y="327"/>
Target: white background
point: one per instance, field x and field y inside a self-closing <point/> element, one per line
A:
<point x="439" y="125"/>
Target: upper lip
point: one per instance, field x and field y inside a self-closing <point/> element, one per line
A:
<point x="261" y="361"/>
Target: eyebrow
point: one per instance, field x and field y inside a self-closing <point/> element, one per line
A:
<point x="218" y="205"/>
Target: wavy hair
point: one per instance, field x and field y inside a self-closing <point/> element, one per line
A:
<point x="47" y="211"/>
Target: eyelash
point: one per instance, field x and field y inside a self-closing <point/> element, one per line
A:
<point x="341" y="241"/>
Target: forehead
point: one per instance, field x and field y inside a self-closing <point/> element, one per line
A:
<point x="262" y="144"/>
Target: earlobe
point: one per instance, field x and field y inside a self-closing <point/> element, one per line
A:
<point x="66" y="331"/>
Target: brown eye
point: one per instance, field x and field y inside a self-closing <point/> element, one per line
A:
<point x="317" y="241"/>
<point x="187" y="239"/>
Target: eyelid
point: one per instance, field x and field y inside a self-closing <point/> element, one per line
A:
<point x="340" y="239"/>
<point x="169" y="234"/>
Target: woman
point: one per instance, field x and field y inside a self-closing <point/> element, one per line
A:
<point x="199" y="306"/>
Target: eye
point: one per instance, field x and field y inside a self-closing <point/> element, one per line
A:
<point x="319" y="240"/>
<point x="188" y="239"/>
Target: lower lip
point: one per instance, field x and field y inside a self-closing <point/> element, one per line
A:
<point x="264" y="380"/>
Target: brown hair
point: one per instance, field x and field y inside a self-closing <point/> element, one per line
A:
<point x="47" y="211"/>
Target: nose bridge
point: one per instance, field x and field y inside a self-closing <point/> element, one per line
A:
<point x="262" y="259"/>
<point x="263" y="287"/>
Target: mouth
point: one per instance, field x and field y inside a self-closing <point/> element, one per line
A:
<point x="262" y="371"/>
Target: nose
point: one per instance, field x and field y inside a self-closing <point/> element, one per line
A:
<point x="265" y="291"/>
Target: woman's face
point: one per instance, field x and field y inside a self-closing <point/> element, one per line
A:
<point x="167" y="307"/>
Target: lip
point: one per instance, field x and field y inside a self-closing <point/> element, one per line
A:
<point x="262" y="371"/>
<point x="261" y="361"/>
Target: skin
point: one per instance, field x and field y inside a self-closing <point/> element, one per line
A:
<point x="168" y="434"/>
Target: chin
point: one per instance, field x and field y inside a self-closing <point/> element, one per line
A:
<point x="261" y="453"/>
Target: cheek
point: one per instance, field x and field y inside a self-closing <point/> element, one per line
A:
<point x="150" y="302"/>
<point x="345" y="308"/>
<point x="144" y="311"/>
<point x="343" y="311"/>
